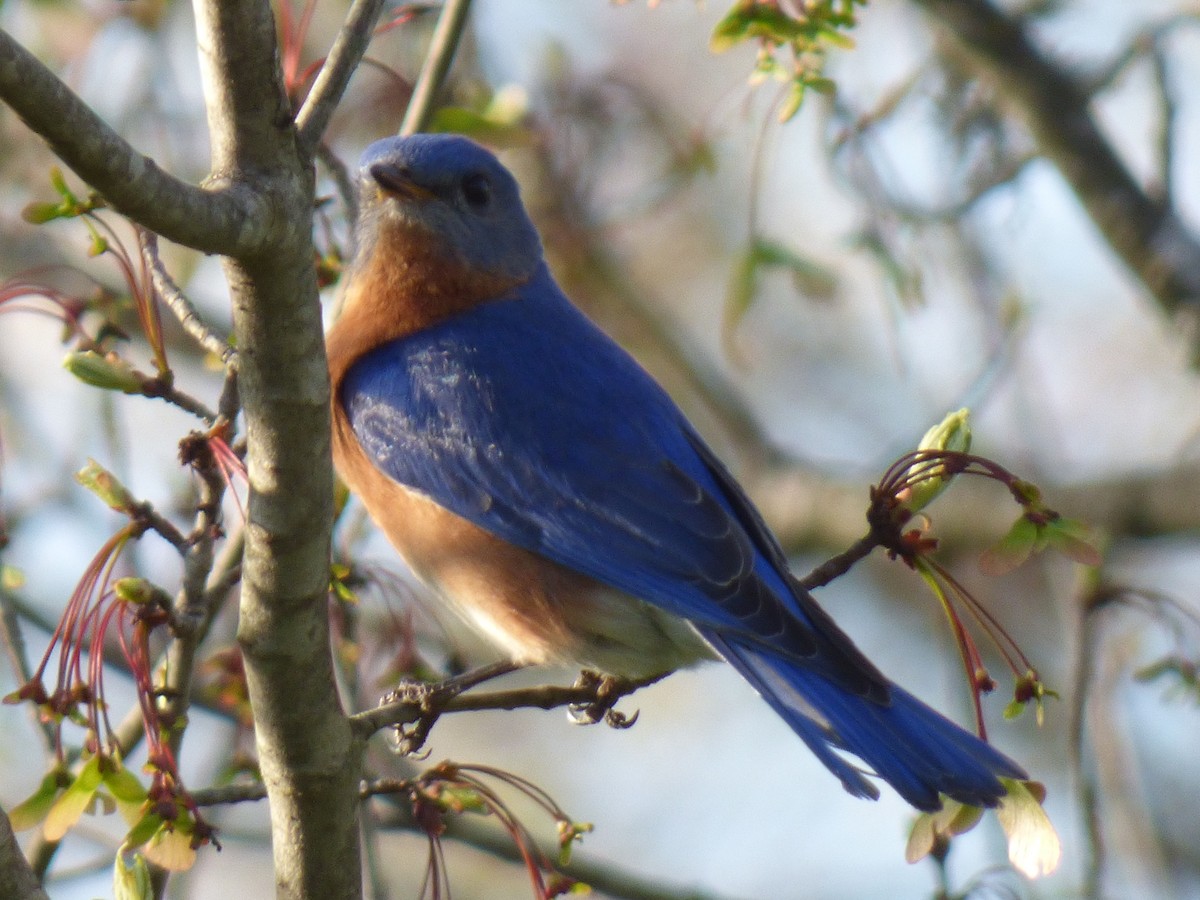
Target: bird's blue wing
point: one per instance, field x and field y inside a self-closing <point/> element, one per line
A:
<point x="522" y="417"/>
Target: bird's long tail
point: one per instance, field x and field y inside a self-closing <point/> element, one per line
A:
<point x="913" y="748"/>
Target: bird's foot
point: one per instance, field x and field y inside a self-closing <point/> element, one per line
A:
<point x="606" y="690"/>
<point x="407" y="739"/>
<point x="430" y="699"/>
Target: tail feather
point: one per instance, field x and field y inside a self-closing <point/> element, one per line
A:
<point x="912" y="747"/>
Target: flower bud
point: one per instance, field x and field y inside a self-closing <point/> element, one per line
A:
<point x="951" y="435"/>
<point x="109" y="371"/>
<point x="104" y="484"/>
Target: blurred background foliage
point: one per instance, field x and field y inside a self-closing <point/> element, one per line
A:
<point x="926" y="231"/>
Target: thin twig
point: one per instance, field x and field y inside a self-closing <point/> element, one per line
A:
<point x="446" y="36"/>
<point x="1136" y="47"/>
<point x="248" y="792"/>
<point x="331" y="81"/>
<point x="179" y="304"/>
<point x="198" y="560"/>
<point x="585" y="693"/>
<point x="230" y="794"/>
<point x="157" y="388"/>
<point x="228" y="570"/>
<point x="342" y="178"/>
<point x="838" y="565"/>
<point x="14" y="643"/>
<point x="146" y="514"/>
<point x="1168" y="105"/>
<point x="230" y="403"/>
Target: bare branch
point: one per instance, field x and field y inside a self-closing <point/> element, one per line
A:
<point x="178" y="302"/>
<point x="1168" y="106"/>
<point x="1144" y="231"/>
<point x="331" y="81"/>
<point x="17" y="879"/>
<point x="310" y="759"/>
<point x="146" y="514"/>
<point x="592" y="697"/>
<point x="445" y="40"/>
<point x="342" y="177"/>
<point x="219" y="219"/>
<point x="158" y="387"/>
<point x="249" y="113"/>
<point x="839" y="565"/>
<point x="13" y="638"/>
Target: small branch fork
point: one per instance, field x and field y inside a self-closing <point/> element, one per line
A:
<point x="591" y="699"/>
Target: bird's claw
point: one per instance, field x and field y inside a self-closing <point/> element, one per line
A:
<point x="607" y="690"/>
<point x="430" y="699"/>
<point x="408" y="739"/>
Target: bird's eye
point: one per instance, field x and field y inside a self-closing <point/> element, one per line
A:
<point x="477" y="190"/>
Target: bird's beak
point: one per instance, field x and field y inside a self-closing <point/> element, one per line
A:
<point x="397" y="181"/>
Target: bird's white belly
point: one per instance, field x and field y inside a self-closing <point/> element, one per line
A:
<point x="604" y="630"/>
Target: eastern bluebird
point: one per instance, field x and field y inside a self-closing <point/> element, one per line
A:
<point x="535" y="476"/>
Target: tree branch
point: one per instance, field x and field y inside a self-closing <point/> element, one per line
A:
<point x="310" y="759"/>
<point x="218" y="219"/>
<point x="249" y="114"/>
<point x="1146" y="233"/>
<point x="331" y="81"/>
<point x="179" y="304"/>
<point x="593" y="697"/>
<point x="17" y="880"/>
<point x="446" y="36"/>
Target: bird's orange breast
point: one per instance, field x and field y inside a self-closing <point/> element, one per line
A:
<point x="408" y="283"/>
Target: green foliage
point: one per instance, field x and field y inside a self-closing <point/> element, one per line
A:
<point x="1036" y="530"/>
<point x="810" y="278"/>
<point x="36" y="807"/>
<point x="931" y="832"/>
<point x="68" y="205"/>
<point x="1180" y="671"/>
<point x="793" y="42"/>
<point x="500" y="121"/>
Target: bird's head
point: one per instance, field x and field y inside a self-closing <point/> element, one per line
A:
<point x="451" y="191"/>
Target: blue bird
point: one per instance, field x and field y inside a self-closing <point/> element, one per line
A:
<point x="537" y="478"/>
